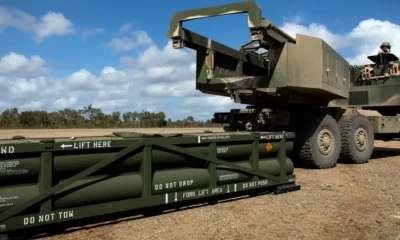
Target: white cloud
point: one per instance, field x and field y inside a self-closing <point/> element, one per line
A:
<point x="131" y="88"/>
<point x="16" y="19"/>
<point x="18" y="65"/>
<point x="112" y="104"/>
<point x="364" y="39"/>
<point x="111" y="76"/>
<point x="121" y="44"/>
<point x="23" y="87"/>
<point x="63" y="103"/>
<point x="82" y="80"/>
<point x="317" y="30"/>
<point x="125" y="27"/>
<point x="177" y="89"/>
<point x="214" y="102"/>
<point x="33" y="105"/>
<point x="155" y="57"/>
<point x="369" y="35"/>
<point x="90" y="32"/>
<point x="49" y="24"/>
<point x="127" y="43"/>
<point x="296" y="19"/>
<point x="114" y="93"/>
<point x="127" y="61"/>
<point x="53" y="24"/>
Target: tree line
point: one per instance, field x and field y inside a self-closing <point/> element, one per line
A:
<point x="90" y="117"/>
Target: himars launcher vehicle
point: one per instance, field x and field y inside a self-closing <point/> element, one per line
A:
<point x="300" y="85"/>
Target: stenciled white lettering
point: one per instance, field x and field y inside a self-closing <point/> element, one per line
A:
<point x="7" y="149"/>
<point x="216" y="137"/>
<point x="202" y="192"/>
<point x="273" y="136"/>
<point x="96" y="144"/>
<point x="49" y="217"/>
<point x="189" y="194"/>
<point x="255" y="183"/>
<point x="46" y="217"/>
<point x="186" y="183"/>
<point x="222" y="149"/>
<point x="102" y="144"/>
<point x="80" y="145"/>
<point x="172" y="185"/>
<point x="229" y="176"/>
<point x="11" y="168"/>
<point x="216" y="190"/>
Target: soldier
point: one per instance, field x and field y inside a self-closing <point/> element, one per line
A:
<point x="385" y="48"/>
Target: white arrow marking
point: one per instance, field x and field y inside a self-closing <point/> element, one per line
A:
<point x="166" y="198"/>
<point x="176" y="197"/>
<point x="66" y="145"/>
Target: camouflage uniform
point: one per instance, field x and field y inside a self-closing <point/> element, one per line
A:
<point x="385" y="48"/>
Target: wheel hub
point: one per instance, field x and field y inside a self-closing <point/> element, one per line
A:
<point x="361" y="139"/>
<point x="325" y="141"/>
<point x="249" y="126"/>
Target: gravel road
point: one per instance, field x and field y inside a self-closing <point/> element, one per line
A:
<point x="345" y="202"/>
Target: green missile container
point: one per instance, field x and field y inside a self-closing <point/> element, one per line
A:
<point x="12" y="196"/>
<point x="26" y="170"/>
<point x="44" y="181"/>
<point x="165" y="181"/>
<point x="88" y="191"/>
<point x="100" y="189"/>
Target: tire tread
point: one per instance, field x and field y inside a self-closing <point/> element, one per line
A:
<point x="345" y="123"/>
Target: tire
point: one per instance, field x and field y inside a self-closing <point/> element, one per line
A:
<point x="233" y="127"/>
<point x="356" y="152"/>
<point x="252" y="126"/>
<point x="227" y="129"/>
<point x="310" y="154"/>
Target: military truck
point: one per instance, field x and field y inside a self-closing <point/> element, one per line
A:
<point x="55" y="183"/>
<point x="300" y="85"/>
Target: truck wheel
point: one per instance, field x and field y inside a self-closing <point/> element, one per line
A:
<point x="357" y="138"/>
<point x="227" y="129"/>
<point x="252" y="126"/>
<point x="321" y="147"/>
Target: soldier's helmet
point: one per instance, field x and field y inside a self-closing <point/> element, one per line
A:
<point x="386" y="44"/>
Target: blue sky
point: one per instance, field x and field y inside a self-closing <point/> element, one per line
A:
<point x="67" y="52"/>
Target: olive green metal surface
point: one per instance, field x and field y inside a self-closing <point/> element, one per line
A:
<point x="303" y="70"/>
<point x="279" y="72"/>
<point x="45" y="181"/>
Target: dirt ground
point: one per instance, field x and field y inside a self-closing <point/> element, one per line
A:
<point x="345" y="202"/>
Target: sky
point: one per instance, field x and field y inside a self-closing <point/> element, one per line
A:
<point x="115" y="54"/>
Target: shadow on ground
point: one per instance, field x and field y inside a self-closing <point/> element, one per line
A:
<point x="378" y="153"/>
<point x="384" y="152"/>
